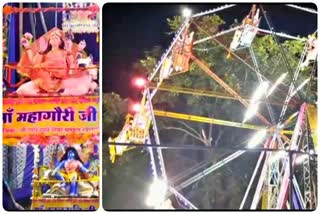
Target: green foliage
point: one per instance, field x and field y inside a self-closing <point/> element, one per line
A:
<point x="175" y="22"/>
<point x="210" y="23"/>
<point x="114" y="110"/>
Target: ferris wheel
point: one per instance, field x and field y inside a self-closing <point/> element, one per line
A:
<point x="284" y="173"/>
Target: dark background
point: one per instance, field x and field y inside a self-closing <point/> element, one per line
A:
<point x="129" y="29"/>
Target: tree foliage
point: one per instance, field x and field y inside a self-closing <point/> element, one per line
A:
<point x="114" y="110"/>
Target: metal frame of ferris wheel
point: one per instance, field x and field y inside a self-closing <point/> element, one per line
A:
<point x="275" y="177"/>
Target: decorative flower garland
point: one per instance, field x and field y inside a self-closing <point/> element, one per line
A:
<point x="79" y="21"/>
<point x="42" y="140"/>
<point x="7" y="10"/>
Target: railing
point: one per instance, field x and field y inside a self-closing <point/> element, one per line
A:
<point x="9" y="70"/>
<point x="38" y="182"/>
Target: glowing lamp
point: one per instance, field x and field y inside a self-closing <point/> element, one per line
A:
<point x="136" y="107"/>
<point x="140" y="82"/>
<point x="186" y="12"/>
<point x="157" y="193"/>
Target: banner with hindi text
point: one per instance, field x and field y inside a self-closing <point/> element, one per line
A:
<point x="50" y="116"/>
<point x="91" y="204"/>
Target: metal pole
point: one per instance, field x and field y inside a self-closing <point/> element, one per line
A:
<point x="309" y="10"/>
<point x="152" y="161"/>
<point x="56" y="17"/>
<point x="33" y="28"/>
<point x="209" y="170"/>
<point x="255" y="62"/>
<point x="181" y="197"/>
<point x="43" y="22"/>
<point x="290" y="181"/>
<point x="20" y="26"/>
<point x="156" y="135"/>
<point x="213" y="10"/>
<point x="262" y="154"/>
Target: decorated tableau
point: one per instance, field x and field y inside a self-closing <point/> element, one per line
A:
<point x="51" y="107"/>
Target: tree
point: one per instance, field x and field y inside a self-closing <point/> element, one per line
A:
<point x="114" y="110"/>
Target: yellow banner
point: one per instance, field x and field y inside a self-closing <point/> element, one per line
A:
<point x="50" y="116"/>
<point x="65" y="204"/>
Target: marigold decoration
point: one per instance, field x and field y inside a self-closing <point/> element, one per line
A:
<point x="7" y="10"/>
<point x="81" y="21"/>
<point x="54" y="140"/>
<point x="84" y="138"/>
<point x="11" y="141"/>
<point x="34" y="139"/>
<point x="73" y="138"/>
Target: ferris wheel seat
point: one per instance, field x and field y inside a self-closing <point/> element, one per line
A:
<point x="138" y="135"/>
<point x="243" y="37"/>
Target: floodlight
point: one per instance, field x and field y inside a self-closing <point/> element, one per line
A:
<point x="157" y="193"/>
<point x="257" y="138"/>
<point x="186" y="12"/>
<point x="275" y="85"/>
<point x="300" y="87"/>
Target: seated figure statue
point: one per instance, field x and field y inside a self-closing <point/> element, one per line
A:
<point x="46" y="62"/>
<point x="69" y="170"/>
<point x="50" y="62"/>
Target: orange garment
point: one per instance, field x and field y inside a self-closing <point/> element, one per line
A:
<point x="47" y="74"/>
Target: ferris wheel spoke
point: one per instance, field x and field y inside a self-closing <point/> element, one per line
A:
<point x="205" y="68"/>
<point x="291" y="88"/>
<point x="209" y="170"/>
<point x="230" y="51"/>
<point x="254" y="174"/>
<point x="309" y="10"/>
<point x="213" y="10"/>
<point x="255" y="62"/>
<point x="216" y="35"/>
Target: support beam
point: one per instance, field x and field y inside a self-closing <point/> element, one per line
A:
<point x="309" y="10"/>
<point x="263" y="175"/>
<point x="210" y="170"/>
<point x="181" y="197"/>
<point x="206" y="69"/>
<point x="213" y="10"/>
<point x="284" y="189"/>
<point x="42" y="19"/>
<point x="255" y="62"/>
<point x="207" y="93"/>
<point x="156" y="135"/>
<point x="216" y="35"/>
<point x="283" y="35"/>
<point x="200" y="119"/>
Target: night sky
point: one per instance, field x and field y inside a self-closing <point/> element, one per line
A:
<point x="129" y="29"/>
